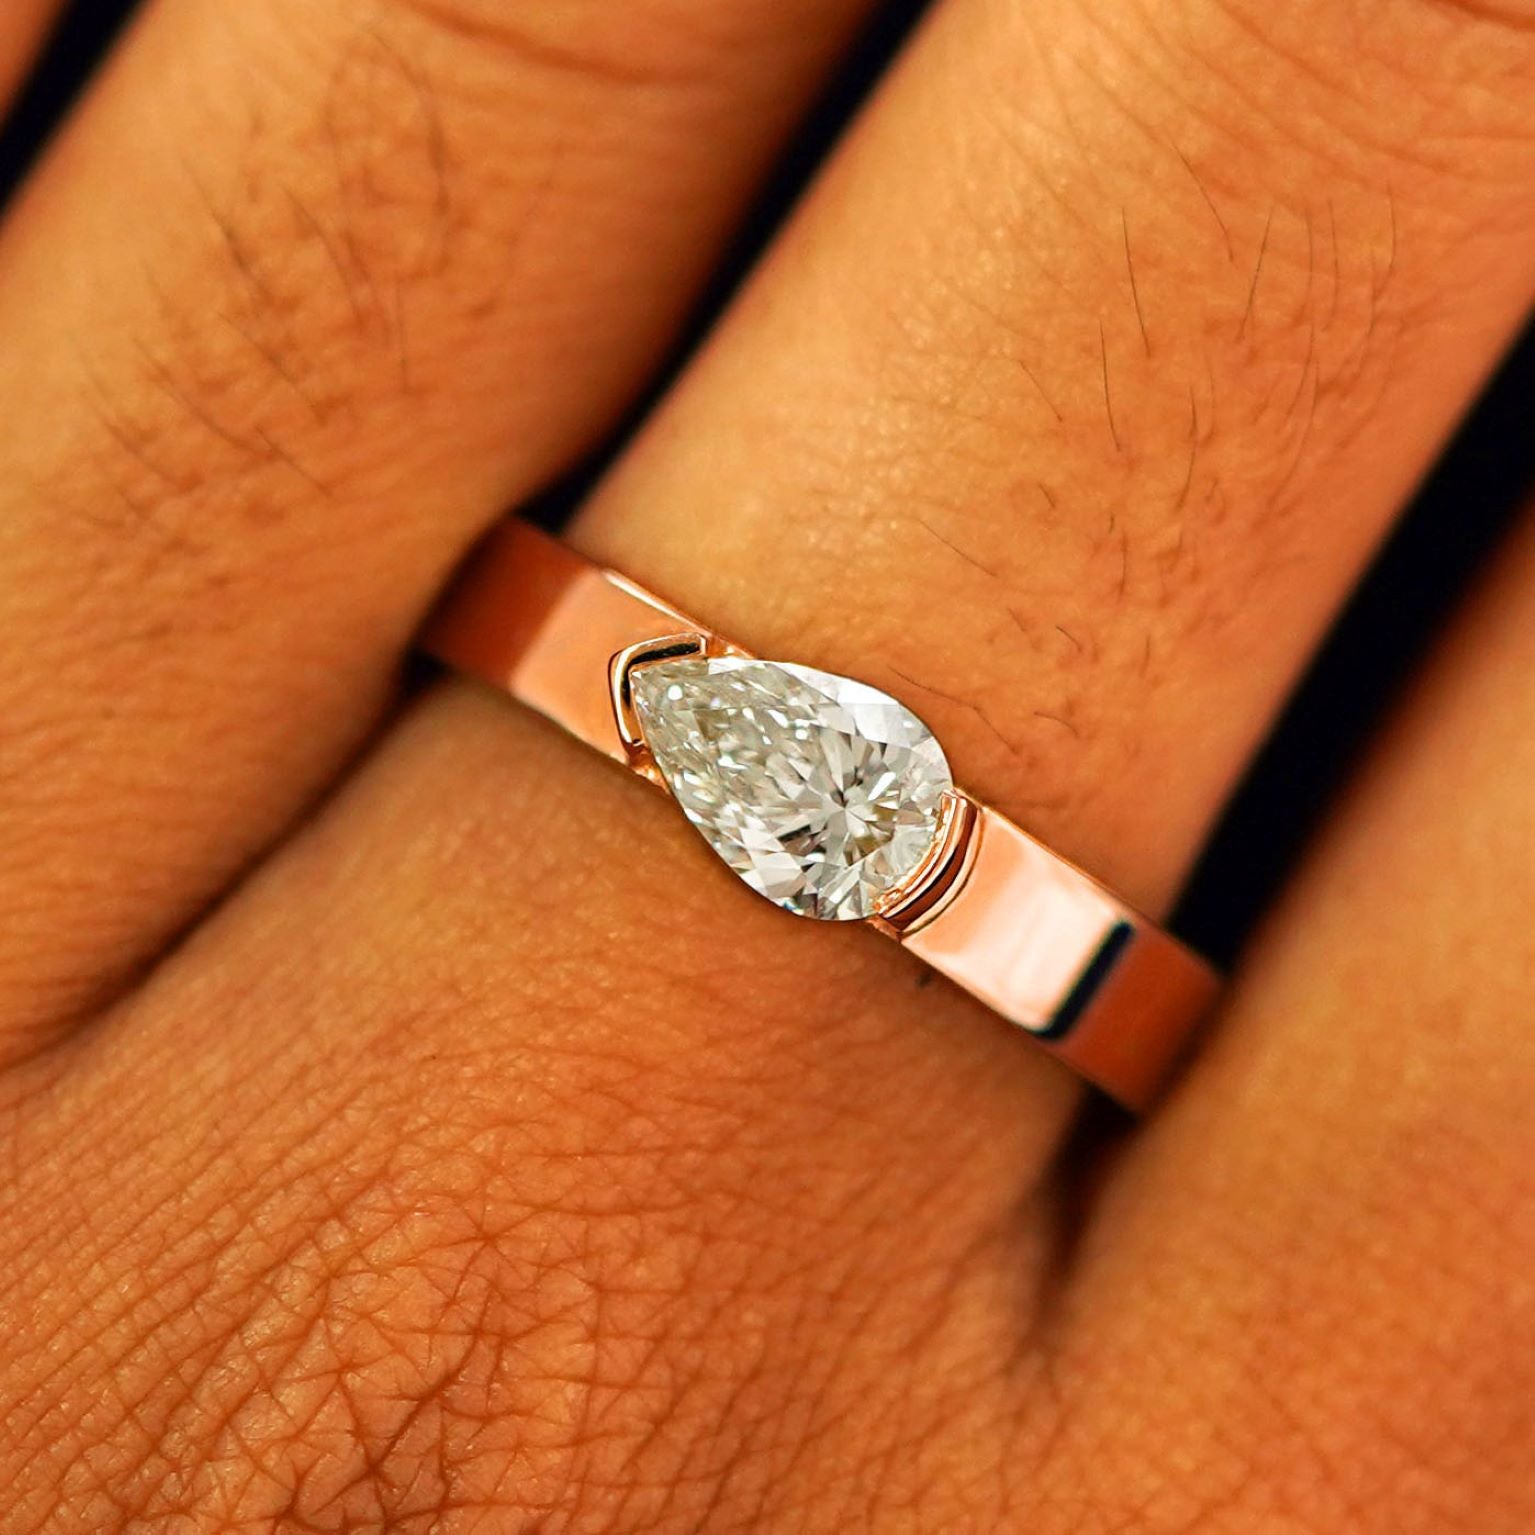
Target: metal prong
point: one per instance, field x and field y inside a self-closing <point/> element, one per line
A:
<point x="695" y="644"/>
<point x="939" y="877"/>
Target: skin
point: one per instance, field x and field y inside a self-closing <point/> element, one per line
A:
<point x="25" y="24"/>
<point x="408" y="1125"/>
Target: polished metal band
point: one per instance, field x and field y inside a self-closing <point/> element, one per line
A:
<point x="1036" y="939"/>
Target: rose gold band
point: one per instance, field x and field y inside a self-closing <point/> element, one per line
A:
<point x="1031" y="935"/>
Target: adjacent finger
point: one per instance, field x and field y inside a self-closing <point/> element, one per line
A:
<point x="21" y="30"/>
<point x="1331" y="1228"/>
<point x="1071" y="425"/>
<point x="304" y="296"/>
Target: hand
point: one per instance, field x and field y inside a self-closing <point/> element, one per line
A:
<point x="408" y="1126"/>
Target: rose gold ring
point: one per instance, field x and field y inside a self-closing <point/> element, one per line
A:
<point x="831" y="799"/>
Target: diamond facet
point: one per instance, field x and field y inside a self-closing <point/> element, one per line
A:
<point x="822" y="793"/>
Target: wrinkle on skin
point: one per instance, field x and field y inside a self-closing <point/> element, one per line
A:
<point x="492" y="1111"/>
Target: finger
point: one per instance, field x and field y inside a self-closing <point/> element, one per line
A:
<point x="304" y="297"/>
<point x="851" y="476"/>
<point x="21" y="30"/>
<point x="1344" y="1182"/>
<point x="1073" y="424"/>
<point x="503" y="1203"/>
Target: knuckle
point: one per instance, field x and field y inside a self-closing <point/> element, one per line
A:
<point x="334" y="260"/>
<point x="271" y="320"/>
<point x="407" y="1363"/>
<point x="451" y="1284"/>
<point x="469" y="1318"/>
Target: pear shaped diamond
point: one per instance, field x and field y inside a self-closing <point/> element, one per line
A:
<point x="823" y="794"/>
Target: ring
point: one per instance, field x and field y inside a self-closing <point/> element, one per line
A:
<point x="832" y="800"/>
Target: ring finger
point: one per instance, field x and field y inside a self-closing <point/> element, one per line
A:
<point x="1074" y="423"/>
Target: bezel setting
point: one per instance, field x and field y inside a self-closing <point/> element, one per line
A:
<point x="1049" y="949"/>
<point x="908" y="904"/>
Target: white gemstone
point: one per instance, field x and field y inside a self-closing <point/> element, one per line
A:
<point x="820" y="792"/>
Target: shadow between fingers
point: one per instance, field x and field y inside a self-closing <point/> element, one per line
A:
<point x="1451" y="529"/>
